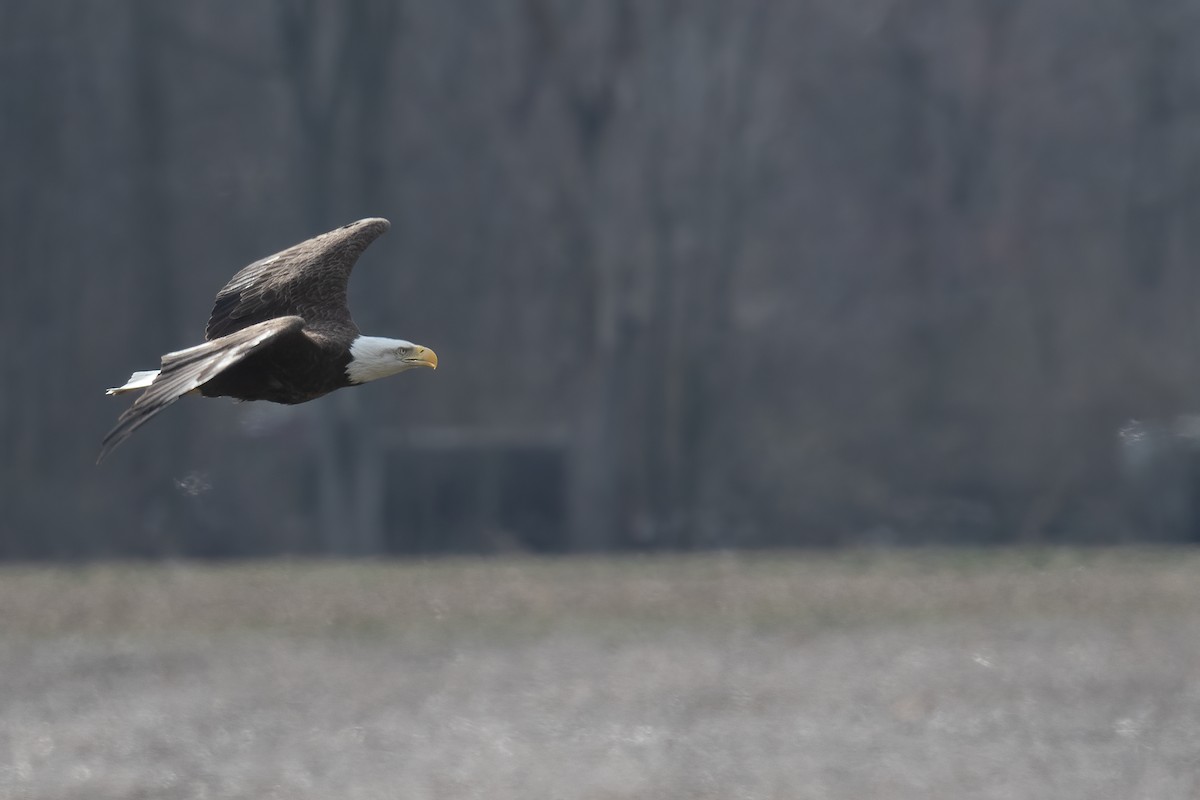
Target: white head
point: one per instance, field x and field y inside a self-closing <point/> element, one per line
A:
<point x="374" y="357"/>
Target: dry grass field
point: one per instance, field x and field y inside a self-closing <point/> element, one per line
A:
<point x="1072" y="674"/>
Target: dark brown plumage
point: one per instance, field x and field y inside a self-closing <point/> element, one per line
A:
<point x="308" y="279"/>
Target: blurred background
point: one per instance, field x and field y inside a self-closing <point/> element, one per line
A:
<point x="701" y="275"/>
<point x="708" y="280"/>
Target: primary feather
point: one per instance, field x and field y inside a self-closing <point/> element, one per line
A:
<point x="185" y="370"/>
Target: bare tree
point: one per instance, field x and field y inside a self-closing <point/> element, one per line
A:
<point x="335" y="65"/>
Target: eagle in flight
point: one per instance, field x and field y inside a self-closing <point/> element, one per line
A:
<point x="281" y="331"/>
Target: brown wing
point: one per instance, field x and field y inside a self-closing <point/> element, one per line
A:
<point x="308" y="279"/>
<point x="185" y="370"/>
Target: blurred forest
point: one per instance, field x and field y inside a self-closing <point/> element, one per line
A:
<point x="700" y="274"/>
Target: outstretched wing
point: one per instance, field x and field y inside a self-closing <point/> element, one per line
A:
<point x="185" y="370"/>
<point x="308" y="279"/>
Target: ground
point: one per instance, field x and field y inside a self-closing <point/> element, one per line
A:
<point x="1072" y="674"/>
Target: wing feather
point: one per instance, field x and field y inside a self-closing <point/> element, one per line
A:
<point x="307" y="279"/>
<point x="185" y="370"/>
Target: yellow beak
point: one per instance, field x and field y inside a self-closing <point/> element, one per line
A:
<point x="423" y="357"/>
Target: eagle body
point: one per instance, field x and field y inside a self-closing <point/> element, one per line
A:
<point x="280" y="331"/>
<point x="301" y="367"/>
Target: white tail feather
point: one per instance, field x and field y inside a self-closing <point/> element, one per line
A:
<point x="138" y="380"/>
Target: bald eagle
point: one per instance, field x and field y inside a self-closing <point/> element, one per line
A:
<point x="281" y="331"/>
